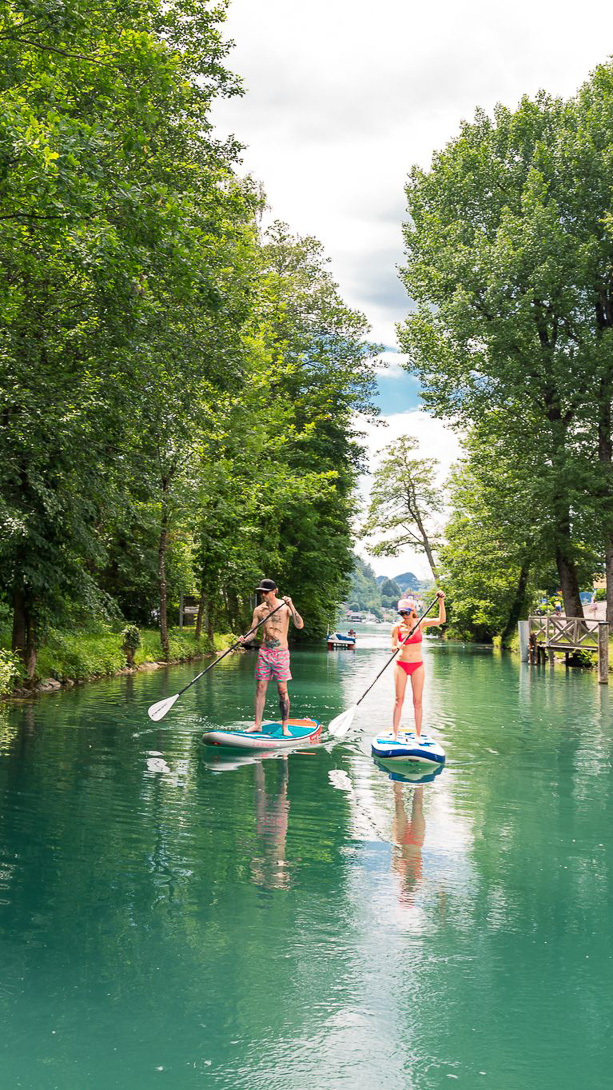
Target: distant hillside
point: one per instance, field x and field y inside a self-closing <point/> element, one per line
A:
<point x="365" y="592"/>
<point x="407" y="581"/>
<point x="374" y="593"/>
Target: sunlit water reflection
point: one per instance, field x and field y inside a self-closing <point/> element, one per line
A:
<point x="309" y="922"/>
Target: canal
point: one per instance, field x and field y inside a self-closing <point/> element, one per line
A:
<point x="309" y="923"/>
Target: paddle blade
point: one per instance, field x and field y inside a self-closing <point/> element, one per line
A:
<point x="338" y="727"/>
<point x="158" y="711"/>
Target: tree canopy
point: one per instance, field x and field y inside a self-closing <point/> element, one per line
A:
<point x="178" y="393"/>
<point x="510" y="264"/>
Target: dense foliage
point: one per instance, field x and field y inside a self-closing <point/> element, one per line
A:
<point x="493" y="560"/>
<point x="365" y="592"/>
<point x="177" y="392"/>
<point x="510" y="262"/>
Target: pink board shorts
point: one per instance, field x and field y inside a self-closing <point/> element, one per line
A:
<point x="273" y="662"/>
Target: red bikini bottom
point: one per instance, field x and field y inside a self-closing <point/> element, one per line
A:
<point x="409" y="667"/>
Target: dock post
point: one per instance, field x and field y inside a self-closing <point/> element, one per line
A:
<point x="603" y="654"/>
<point x="523" y="628"/>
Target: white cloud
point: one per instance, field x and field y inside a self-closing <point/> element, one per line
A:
<point x="343" y="97"/>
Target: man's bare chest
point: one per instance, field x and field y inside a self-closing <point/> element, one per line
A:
<point x="274" y="631"/>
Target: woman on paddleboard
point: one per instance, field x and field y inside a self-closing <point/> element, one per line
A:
<point x="409" y="663"/>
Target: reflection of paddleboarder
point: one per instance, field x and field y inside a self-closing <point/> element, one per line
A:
<point x="409" y="835"/>
<point x="272" y="820"/>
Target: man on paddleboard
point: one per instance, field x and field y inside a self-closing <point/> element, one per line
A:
<point x="273" y="657"/>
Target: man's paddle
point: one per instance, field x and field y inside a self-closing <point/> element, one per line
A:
<point x="338" y="727"/>
<point x="159" y="710"/>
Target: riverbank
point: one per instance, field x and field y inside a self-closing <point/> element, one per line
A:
<point x="73" y="658"/>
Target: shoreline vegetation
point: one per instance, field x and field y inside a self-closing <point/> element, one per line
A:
<point x="182" y="393"/>
<point x="69" y="659"/>
<point x="72" y="659"/>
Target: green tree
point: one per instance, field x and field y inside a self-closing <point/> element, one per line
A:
<point x="106" y="175"/>
<point x="498" y="539"/>
<point x="403" y="500"/>
<point x="498" y="271"/>
<point x="365" y="591"/>
<point x="586" y="165"/>
<point x="323" y="370"/>
<point x="390" y="593"/>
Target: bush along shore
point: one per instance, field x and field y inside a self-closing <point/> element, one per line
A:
<point x="72" y="658"/>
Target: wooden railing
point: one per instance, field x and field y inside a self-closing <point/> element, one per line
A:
<point x="540" y="637"/>
<point x="566" y="633"/>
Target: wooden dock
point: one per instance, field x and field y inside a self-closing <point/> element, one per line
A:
<point x="541" y="636"/>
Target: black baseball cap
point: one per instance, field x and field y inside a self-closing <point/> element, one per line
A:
<point x="266" y="586"/>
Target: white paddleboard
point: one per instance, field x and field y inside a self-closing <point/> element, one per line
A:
<point x="303" y="732"/>
<point x="406" y="747"/>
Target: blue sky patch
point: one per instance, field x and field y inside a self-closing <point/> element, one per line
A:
<point x="398" y="392"/>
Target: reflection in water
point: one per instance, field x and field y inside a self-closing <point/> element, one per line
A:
<point x="272" y="819"/>
<point x="409" y="834"/>
<point x="406" y="773"/>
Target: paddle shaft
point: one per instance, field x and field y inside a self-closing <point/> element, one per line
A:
<point x="391" y="659"/>
<point x="237" y="644"/>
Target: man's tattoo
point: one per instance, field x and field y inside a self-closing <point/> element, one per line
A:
<point x="284" y="706"/>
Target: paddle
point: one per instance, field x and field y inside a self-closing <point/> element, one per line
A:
<point x="340" y="725"/>
<point x="159" y="710"/>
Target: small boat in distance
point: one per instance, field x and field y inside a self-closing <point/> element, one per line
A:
<point x="338" y="640"/>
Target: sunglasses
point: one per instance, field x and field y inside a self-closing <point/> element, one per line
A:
<point x="406" y="612"/>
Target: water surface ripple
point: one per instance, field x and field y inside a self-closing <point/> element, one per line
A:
<point x="171" y="918"/>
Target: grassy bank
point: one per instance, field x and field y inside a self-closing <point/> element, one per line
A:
<point x="83" y="655"/>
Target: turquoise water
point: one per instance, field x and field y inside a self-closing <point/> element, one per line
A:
<point x="166" y="920"/>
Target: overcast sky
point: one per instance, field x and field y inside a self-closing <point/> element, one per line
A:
<point x="343" y="96"/>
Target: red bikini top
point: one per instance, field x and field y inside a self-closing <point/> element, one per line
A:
<point x="417" y="638"/>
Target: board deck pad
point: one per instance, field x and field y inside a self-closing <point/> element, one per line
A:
<point x="302" y="732"/>
<point x="406" y="747"/>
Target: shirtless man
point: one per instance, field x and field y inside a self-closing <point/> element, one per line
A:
<point x="273" y="659"/>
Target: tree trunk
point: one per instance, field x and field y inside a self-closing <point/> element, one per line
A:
<point x="569" y="584"/>
<point x="163" y="545"/>
<point x="430" y="556"/>
<point x="605" y="457"/>
<point x="23" y="640"/>
<point x="426" y="544"/>
<point x="233" y="611"/>
<point x="200" y="616"/>
<point x="205" y="617"/>
<point x="517" y="606"/>
<point x="609" y="577"/>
